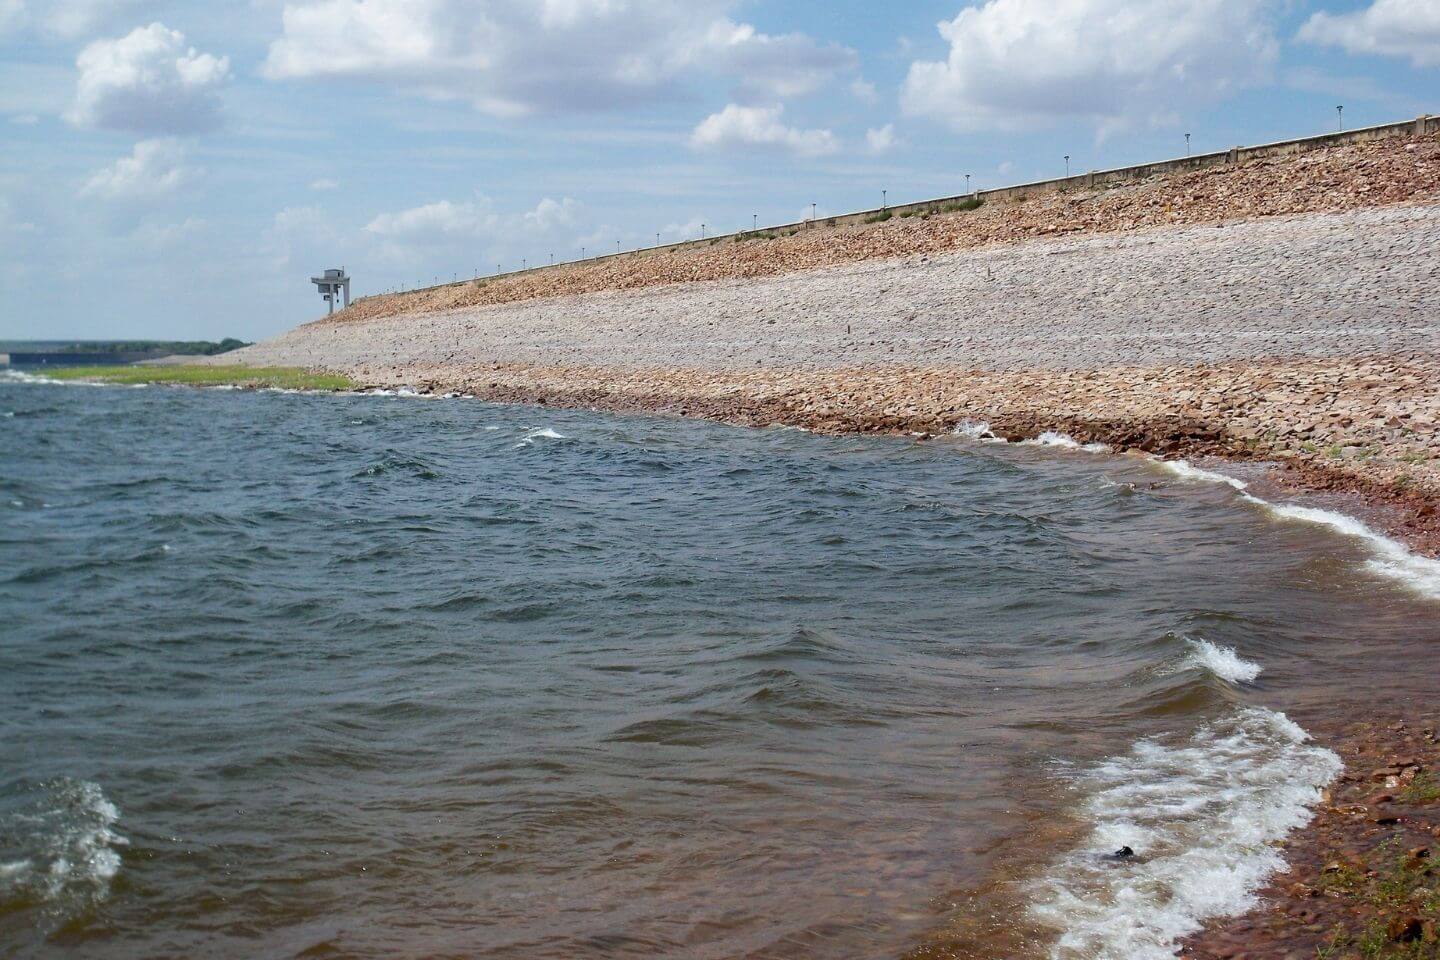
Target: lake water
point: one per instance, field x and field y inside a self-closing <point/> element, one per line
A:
<point x="363" y="676"/>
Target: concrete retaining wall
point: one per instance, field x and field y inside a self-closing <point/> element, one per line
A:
<point x="1420" y="126"/>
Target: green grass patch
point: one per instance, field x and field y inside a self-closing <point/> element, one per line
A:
<point x="964" y="206"/>
<point x="290" y="378"/>
<point x="880" y="217"/>
<point x="1425" y="788"/>
<point x="1402" y="889"/>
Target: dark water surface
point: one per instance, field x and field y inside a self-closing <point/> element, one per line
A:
<point x="287" y="675"/>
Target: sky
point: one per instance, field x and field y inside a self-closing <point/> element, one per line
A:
<point x="179" y="168"/>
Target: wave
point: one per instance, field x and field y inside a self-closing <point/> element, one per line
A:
<point x="978" y="430"/>
<point x="1200" y="816"/>
<point x="1223" y="662"/>
<point x="544" y="433"/>
<point x="1053" y="438"/>
<point x="1390" y="558"/>
<point x="59" y="846"/>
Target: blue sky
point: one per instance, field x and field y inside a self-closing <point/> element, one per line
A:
<point x="179" y="169"/>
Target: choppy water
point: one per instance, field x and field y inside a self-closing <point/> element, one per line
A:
<point x="287" y="675"/>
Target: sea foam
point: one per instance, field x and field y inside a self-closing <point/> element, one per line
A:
<point x="1389" y="557"/>
<point x="1200" y="815"/>
<point x="1222" y="662"/>
<point x="63" y="843"/>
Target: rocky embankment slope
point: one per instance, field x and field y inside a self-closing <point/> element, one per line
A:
<point x="1310" y="340"/>
<point x="1378" y="173"/>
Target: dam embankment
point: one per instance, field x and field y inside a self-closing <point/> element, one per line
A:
<point x="1309" y="339"/>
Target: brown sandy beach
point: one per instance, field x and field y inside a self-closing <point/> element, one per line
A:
<point x="1283" y="312"/>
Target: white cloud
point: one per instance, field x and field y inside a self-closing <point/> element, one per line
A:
<point x="75" y="18"/>
<point x="750" y="127"/>
<point x="1015" y="63"/>
<point x="301" y="236"/>
<point x="69" y="19"/>
<point x="11" y="11"/>
<point x="324" y="183"/>
<point x="880" y="140"/>
<point x="406" y="235"/>
<point x="864" y="90"/>
<point x="10" y="222"/>
<point x="148" y="82"/>
<point x="1392" y="28"/>
<point x="768" y="67"/>
<point x="154" y="169"/>
<point x="513" y="57"/>
<point x="25" y="119"/>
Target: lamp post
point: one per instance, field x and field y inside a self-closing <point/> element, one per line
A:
<point x="967" y="183"/>
<point x="884" y="199"/>
<point x="813" y="207"/>
<point x="702" y="231"/>
<point x="1067" y="164"/>
<point x="1187" y="144"/>
<point x="754" y="221"/>
<point x="1340" y="113"/>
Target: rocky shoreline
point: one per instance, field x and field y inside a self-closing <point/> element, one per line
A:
<point x="1363" y="878"/>
<point x="1241" y="412"/>
<point x="1279" y="316"/>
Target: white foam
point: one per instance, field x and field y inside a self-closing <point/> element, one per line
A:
<point x="1201" y="816"/>
<point x="21" y="377"/>
<point x="1052" y="438"/>
<point x="69" y="840"/>
<point x="1223" y="662"/>
<point x="1187" y="471"/>
<point x="1391" y="558"/>
<point x="547" y="433"/>
<point x="978" y="430"/>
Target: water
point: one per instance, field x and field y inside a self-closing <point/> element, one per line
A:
<point x="289" y="675"/>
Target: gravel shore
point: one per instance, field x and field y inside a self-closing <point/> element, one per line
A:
<point x="1313" y="340"/>
<point x="1284" y="312"/>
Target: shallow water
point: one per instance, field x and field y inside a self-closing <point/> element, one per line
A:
<point x="291" y="675"/>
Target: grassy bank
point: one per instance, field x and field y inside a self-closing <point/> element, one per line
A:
<point x="293" y="378"/>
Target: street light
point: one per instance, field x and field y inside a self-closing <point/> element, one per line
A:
<point x="702" y="231"/>
<point x="812" y="211"/>
<point x="1187" y="144"/>
<point x="884" y="199"/>
<point x="967" y="183"/>
<point x="1067" y="164"/>
<point x="1340" y="112"/>
<point x="754" y="221"/>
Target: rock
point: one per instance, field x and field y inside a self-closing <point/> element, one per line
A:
<point x="1405" y="929"/>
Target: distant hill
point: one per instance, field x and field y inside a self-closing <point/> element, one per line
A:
<point x="23" y="353"/>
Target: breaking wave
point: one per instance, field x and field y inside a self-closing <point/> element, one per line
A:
<point x="1200" y="817"/>
<point x="58" y="846"/>
<point x="544" y="433"/>
<point x="1390" y="558"/>
<point x="1223" y="662"/>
